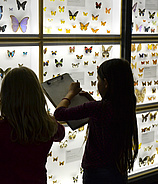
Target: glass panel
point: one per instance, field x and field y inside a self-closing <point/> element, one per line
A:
<point x="82" y="17"/>
<point x="144" y="65"/>
<point x="16" y="56"/>
<point x="145" y="17"/>
<point x="80" y="61"/>
<point x="148" y="142"/>
<point x="19" y="17"/>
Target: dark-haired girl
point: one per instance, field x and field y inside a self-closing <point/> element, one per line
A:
<point x="112" y="143"/>
<point x="27" y="131"/>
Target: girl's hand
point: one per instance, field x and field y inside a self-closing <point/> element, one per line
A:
<point x="74" y="89"/>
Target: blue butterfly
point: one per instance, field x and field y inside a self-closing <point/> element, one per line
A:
<point x="11" y="54"/>
<point x="25" y="53"/>
<point x="1" y="11"/>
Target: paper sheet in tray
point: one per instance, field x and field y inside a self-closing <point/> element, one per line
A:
<point x="56" y="89"/>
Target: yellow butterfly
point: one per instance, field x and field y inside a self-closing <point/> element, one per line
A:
<point x="85" y="13"/>
<point x="103" y="23"/>
<point x="149" y="46"/>
<point x="55" y="159"/>
<point x="139" y="47"/>
<point x="49" y="154"/>
<point x="62" y="21"/>
<point x="83" y="27"/>
<point x="50" y="20"/>
<point x="44" y="8"/>
<point x="140" y="75"/>
<point x="50" y="177"/>
<point x="94" y="30"/>
<point x="59" y="29"/>
<point x="61" y="9"/>
<point x="81" y="128"/>
<point x="96" y="53"/>
<point x="133" y="57"/>
<point x="140" y="95"/>
<point x="55" y="181"/>
<point x="95" y="17"/>
<point x="154" y="22"/>
<point x="67" y="30"/>
<point x="133" y="47"/>
<point x="63" y="144"/>
<point x="48" y="30"/>
<point x="75" y="179"/>
<point x="133" y="65"/>
<point x="74" y="26"/>
<point x="53" y="13"/>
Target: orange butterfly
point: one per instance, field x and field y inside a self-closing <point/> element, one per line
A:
<point x="61" y="163"/>
<point x="107" y="10"/>
<point x="95" y="17"/>
<point x="103" y="23"/>
<point x="67" y="30"/>
<point x="141" y="69"/>
<point x="108" y="31"/>
<point x="74" y="26"/>
<point x="83" y="27"/>
<point x="96" y="53"/>
<point x="155" y="62"/>
<point x="94" y="30"/>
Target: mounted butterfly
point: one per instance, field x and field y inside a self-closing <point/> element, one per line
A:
<point x="22" y="5"/>
<point x="105" y="53"/>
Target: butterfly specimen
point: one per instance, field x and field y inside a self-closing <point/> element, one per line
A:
<point x="62" y="21"/>
<point x="108" y="31"/>
<point x="10" y="54"/>
<point x="143" y="83"/>
<point x="59" y="29"/>
<point x="46" y="63"/>
<point x="93" y="83"/>
<point x="50" y="20"/>
<point x="151" y="98"/>
<point x="154" y="46"/>
<point x="16" y="24"/>
<point x="1" y="11"/>
<point x="53" y="13"/>
<point x="134" y="7"/>
<point x="96" y="53"/>
<point x="75" y="65"/>
<point x="139" y="28"/>
<point x="74" y="26"/>
<point x="88" y="49"/>
<point x="103" y="23"/>
<point x="153" y="116"/>
<point x="141" y="12"/>
<point x="140" y="75"/>
<point x="149" y="46"/>
<point x="50" y="177"/>
<point x="4" y="72"/>
<point x="85" y="63"/>
<point x="105" y="53"/>
<point x="20" y="65"/>
<point x="107" y="10"/>
<point x="72" y="135"/>
<point x="133" y="57"/>
<point x="153" y="90"/>
<point x="59" y="63"/>
<point x="45" y="50"/>
<point x="22" y="5"/>
<point x="45" y="73"/>
<point x="81" y="170"/>
<point x="95" y="17"/>
<point x="75" y="179"/>
<point x="72" y="16"/>
<point x="85" y="13"/>
<point x="139" y="47"/>
<point x="155" y="62"/>
<point x="72" y="49"/>
<point x="91" y="92"/>
<point x="24" y="53"/>
<point x="141" y="69"/>
<point x="146" y="160"/>
<point x="55" y="159"/>
<point x="140" y="95"/>
<point x="81" y="129"/>
<point x="154" y="22"/>
<point x="94" y="30"/>
<point x="133" y="47"/>
<point x="49" y="154"/>
<point x="54" y="52"/>
<point x="146" y="29"/>
<point x="152" y="30"/>
<point x="155" y="82"/>
<point x="2" y="28"/>
<point x="44" y="9"/>
<point x="149" y="83"/>
<point x="83" y="27"/>
<point x="144" y="117"/>
<point x="61" y="163"/>
<point x="136" y="83"/>
<point x="61" y="9"/>
<point x="63" y="144"/>
<point x="67" y="30"/>
<point x="148" y="148"/>
<point x="79" y="57"/>
<point x="97" y="5"/>
<point x="90" y="73"/>
<point x="94" y="62"/>
<point x="151" y="15"/>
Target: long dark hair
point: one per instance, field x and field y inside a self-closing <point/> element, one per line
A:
<point x="23" y="104"/>
<point x="124" y="127"/>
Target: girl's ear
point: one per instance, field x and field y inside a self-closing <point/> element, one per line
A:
<point x="106" y="83"/>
